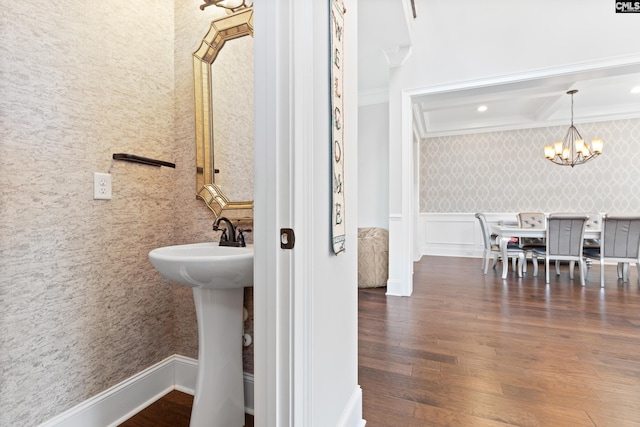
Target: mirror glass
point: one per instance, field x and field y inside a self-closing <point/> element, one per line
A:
<point x="223" y="80"/>
<point x="232" y="110"/>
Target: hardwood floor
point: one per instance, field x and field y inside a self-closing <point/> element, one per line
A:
<point x="473" y="350"/>
<point x="172" y="410"/>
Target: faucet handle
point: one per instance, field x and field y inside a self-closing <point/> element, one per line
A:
<point x="241" y="236"/>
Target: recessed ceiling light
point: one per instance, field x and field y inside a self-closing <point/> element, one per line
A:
<point x="635" y="89"/>
<point x="482" y="108"/>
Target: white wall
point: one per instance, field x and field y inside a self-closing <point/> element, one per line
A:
<point x="468" y="41"/>
<point x="334" y="280"/>
<point x="373" y="165"/>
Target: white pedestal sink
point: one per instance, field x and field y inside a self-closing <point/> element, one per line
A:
<point x="218" y="276"/>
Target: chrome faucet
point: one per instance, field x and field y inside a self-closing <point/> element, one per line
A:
<point x="228" y="237"/>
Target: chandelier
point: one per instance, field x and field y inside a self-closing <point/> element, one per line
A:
<point x="232" y="5"/>
<point x="572" y="150"/>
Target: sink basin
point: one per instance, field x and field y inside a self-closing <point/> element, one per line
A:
<point x="205" y="265"/>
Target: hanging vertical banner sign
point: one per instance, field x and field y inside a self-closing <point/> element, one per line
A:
<point x="338" y="229"/>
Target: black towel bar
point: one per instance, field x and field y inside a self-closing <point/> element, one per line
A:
<point x="143" y="160"/>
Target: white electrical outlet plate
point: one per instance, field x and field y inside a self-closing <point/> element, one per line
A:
<point x="102" y="186"/>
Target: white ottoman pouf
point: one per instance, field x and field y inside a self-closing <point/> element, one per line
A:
<point x="373" y="257"/>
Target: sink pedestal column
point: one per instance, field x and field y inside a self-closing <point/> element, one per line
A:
<point x="219" y="394"/>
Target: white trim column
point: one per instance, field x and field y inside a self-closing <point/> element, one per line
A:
<point x="401" y="220"/>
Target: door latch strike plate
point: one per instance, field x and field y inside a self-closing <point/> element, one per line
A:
<point x="287" y="238"/>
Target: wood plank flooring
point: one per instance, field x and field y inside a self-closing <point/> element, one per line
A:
<point x="473" y="350"/>
<point x="172" y="410"/>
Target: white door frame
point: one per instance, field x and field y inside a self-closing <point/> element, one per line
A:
<point x="272" y="356"/>
<point x="283" y="116"/>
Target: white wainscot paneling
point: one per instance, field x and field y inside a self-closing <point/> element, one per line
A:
<point x="455" y="234"/>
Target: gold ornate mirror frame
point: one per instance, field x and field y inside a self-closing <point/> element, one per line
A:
<point x="237" y="25"/>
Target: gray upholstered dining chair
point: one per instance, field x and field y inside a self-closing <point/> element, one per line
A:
<point x="537" y="220"/>
<point x="594" y="222"/>
<point x="491" y="247"/>
<point x="565" y="242"/>
<point x="619" y="242"/>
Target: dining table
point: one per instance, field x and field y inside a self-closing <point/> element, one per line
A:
<point x="506" y="232"/>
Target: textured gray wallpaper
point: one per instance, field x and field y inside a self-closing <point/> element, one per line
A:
<point x="81" y="308"/>
<point x="507" y="172"/>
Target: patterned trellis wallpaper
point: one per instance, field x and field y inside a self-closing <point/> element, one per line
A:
<point x="507" y="172"/>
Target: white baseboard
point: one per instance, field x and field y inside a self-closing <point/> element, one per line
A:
<point x="249" y="404"/>
<point x="352" y="414"/>
<point x="120" y="402"/>
<point x="185" y="373"/>
<point x="392" y="288"/>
